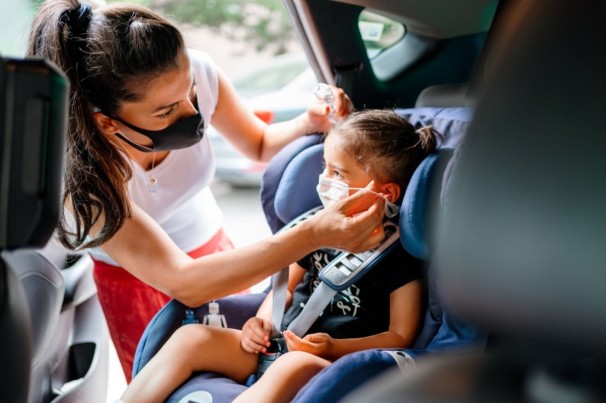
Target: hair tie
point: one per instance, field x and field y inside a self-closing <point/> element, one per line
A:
<point x="424" y="133"/>
<point x="424" y="129"/>
<point x="77" y="19"/>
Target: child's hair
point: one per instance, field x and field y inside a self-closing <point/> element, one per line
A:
<point x="108" y="55"/>
<point x="384" y="144"/>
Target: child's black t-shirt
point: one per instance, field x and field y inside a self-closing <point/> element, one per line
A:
<point x="363" y="308"/>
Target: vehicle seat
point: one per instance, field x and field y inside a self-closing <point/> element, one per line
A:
<point x="289" y="190"/>
<point x="53" y="340"/>
<point x="442" y="331"/>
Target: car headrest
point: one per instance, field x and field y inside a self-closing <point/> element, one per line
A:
<point x="443" y="95"/>
<point x="272" y="181"/>
<point x="420" y="199"/>
<point x="296" y="191"/>
<point x="33" y="119"/>
<point x="521" y="246"/>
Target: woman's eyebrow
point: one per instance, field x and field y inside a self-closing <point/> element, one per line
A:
<point x="160" y="108"/>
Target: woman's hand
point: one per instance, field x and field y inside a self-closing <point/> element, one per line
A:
<point x="318" y="344"/>
<point x="354" y="224"/>
<point x="321" y="117"/>
<point x="255" y="335"/>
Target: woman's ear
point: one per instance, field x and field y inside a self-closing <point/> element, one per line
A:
<point x="105" y="124"/>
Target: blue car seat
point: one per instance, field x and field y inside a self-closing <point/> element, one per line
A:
<point x="289" y="190"/>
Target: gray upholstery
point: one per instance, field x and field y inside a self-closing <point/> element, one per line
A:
<point x="443" y="96"/>
<point x="44" y="288"/>
<point x="53" y="338"/>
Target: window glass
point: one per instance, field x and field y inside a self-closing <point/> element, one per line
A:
<point x="379" y="32"/>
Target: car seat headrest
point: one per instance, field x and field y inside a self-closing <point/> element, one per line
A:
<point x="443" y="96"/>
<point x="33" y="120"/>
<point x="296" y="191"/>
<point x="418" y="202"/>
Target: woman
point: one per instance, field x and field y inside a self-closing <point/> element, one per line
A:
<point x="138" y="166"/>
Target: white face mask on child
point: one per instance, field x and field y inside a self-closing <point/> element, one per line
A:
<point x="331" y="190"/>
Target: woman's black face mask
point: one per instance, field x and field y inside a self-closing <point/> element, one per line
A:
<point x="181" y="134"/>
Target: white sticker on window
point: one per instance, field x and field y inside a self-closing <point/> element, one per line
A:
<point x="371" y="31"/>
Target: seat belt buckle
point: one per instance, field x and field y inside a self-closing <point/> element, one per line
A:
<point x="276" y="349"/>
<point x="347" y="268"/>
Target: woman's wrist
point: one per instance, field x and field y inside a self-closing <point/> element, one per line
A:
<point x="304" y="125"/>
<point x="308" y="234"/>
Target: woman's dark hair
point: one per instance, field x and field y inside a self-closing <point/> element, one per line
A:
<point x="108" y="56"/>
<point x="384" y="144"/>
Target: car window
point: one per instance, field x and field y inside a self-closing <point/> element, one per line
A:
<point x="271" y="76"/>
<point x="379" y="32"/>
<point x="15" y="19"/>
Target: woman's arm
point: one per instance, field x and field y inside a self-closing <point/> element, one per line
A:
<point x="404" y="321"/>
<point x="144" y="250"/>
<point x="258" y="140"/>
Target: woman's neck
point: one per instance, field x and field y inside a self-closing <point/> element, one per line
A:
<point x="147" y="161"/>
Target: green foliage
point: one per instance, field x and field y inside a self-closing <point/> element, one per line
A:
<point x="262" y="23"/>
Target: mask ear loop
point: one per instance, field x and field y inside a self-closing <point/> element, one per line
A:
<point x="391" y="208"/>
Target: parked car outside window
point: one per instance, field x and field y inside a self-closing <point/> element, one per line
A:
<point x="276" y="91"/>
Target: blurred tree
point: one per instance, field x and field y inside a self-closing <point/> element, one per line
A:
<point x="261" y="23"/>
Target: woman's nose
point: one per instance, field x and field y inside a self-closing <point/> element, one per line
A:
<point x="191" y="108"/>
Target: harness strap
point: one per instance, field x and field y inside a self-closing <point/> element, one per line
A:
<point x="279" y="281"/>
<point x="313" y="308"/>
<point x="279" y="286"/>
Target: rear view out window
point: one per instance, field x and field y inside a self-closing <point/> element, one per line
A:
<point x="379" y="32"/>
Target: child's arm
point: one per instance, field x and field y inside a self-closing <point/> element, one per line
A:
<point x="405" y="319"/>
<point x="256" y="331"/>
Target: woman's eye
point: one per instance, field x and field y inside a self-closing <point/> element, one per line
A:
<point x="167" y="113"/>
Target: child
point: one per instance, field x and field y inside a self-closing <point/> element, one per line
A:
<point x="381" y="310"/>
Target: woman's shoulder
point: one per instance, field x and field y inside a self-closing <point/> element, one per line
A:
<point x="202" y="62"/>
<point x="207" y="77"/>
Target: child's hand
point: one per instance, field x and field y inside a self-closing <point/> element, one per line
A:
<point x="318" y="344"/>
<point x="255" y="335"/>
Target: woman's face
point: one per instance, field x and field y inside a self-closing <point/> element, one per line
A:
<point x="167" y="98"/>
<point x="340" y="166"/>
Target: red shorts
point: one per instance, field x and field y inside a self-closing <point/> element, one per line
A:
<point x="129" y="304"/>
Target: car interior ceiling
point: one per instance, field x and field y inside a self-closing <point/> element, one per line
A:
<point x="439" y="19"/>
<point x="396" y="76"/>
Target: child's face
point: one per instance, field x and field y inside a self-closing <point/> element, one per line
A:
<point x="341" y="167"/>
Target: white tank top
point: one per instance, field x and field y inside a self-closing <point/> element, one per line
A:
<point x="183" y="204"/>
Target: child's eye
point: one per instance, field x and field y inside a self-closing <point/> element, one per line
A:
<point x="167" y="113"/>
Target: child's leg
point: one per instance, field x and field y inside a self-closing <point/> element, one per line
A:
<point x="191" y="348"/>
<point x="284" y="378"/>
